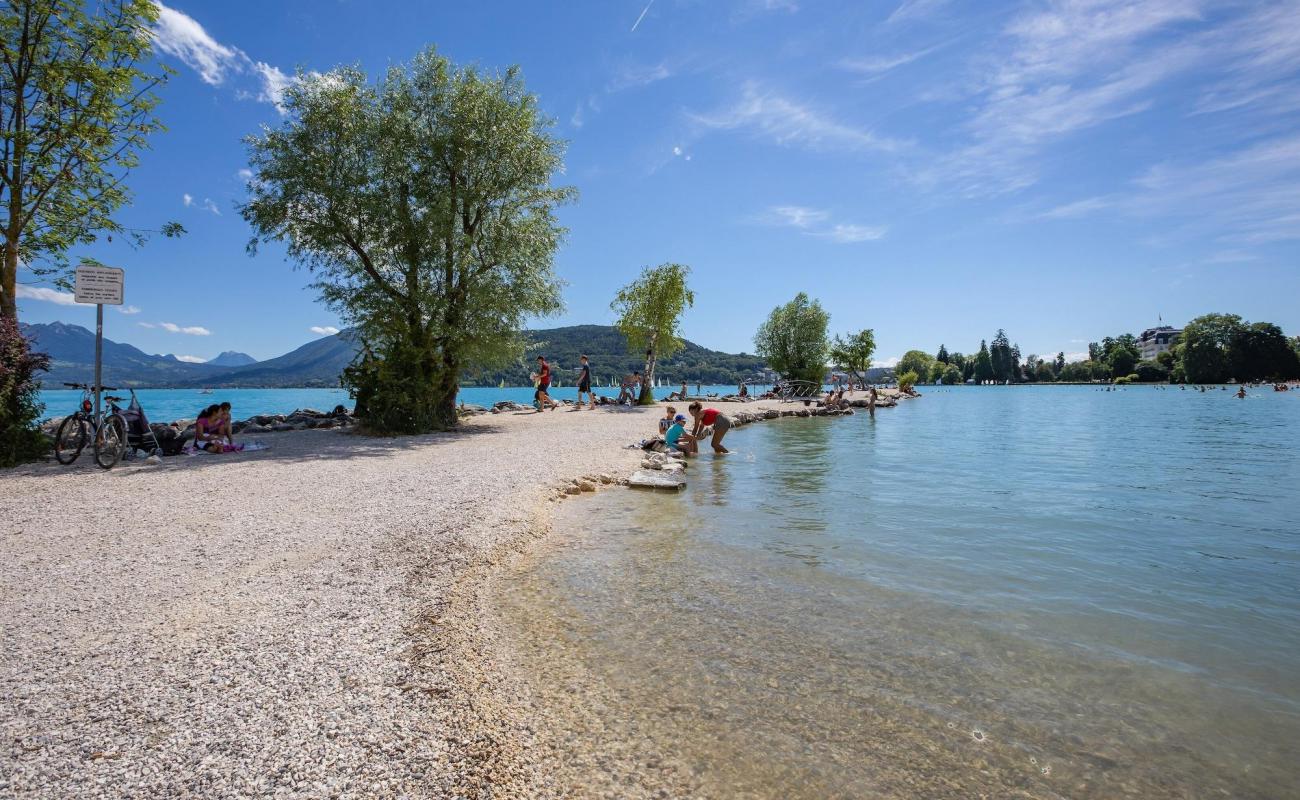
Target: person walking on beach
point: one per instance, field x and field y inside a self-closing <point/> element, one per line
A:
<point x="544" y="386"/>
<point x="584" y="385"/>
<point x="710" y="417"/>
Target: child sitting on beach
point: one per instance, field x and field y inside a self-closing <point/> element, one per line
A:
<point x="667" y="421"/>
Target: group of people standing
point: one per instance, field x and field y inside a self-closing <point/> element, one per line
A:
<point x="542" y="381"/>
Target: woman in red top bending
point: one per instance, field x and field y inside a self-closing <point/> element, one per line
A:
<point x="705" y="417"/>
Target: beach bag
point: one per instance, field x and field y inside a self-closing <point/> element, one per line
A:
<point x="170" y="441"/>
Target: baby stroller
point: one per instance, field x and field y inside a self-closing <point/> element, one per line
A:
<point x="139" y="436"/>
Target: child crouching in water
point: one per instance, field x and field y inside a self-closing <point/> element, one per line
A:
<point x="677" y="438"/>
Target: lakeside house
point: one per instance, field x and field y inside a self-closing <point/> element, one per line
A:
<point x="1155" y="341"/>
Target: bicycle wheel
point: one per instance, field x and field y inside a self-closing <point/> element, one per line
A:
<point x="70" y="439"/>
<point x="110" y="444"/>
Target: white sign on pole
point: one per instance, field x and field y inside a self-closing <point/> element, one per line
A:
<point x="99" y="285"/>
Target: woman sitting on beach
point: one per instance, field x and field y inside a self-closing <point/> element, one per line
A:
<point x="710" y="417"/>
<point x="213" y="424"/>
<point x="677" y="438"/>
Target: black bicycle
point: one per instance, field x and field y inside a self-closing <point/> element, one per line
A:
<point x="109" y="430"/>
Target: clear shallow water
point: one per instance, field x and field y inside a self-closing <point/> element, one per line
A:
<point x="166" y="405"/>
<point x="1049" y="592"/>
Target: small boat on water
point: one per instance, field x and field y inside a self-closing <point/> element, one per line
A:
<point x="206" y="390"/>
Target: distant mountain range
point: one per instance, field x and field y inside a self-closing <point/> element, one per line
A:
<point x="72" y="351"/>
<point x="320" y="362"/>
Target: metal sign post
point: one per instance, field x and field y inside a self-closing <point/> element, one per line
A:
<point x="101" y="286"/>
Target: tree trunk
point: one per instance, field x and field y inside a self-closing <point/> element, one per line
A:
<point x="647" y="397"/>
<point x="9" y="279"/>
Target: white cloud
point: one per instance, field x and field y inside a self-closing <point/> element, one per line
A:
<point x="1078" y="208"/>
<point x="634" y="76"/>
<point x="811" y="222"/>
<point x="789" y="123"/>
<point x="910" y="10"/>
<point x="46" y="295"/>
<point x="193" y="330"/>
<point x="849" y="234"/>
<point x="797" y="216"/>
<point x="1071" y="358"/>
<point x="128" y="309"/>
<point x="187" y="199"/>
<point x="324" y="330"/>
<point x="1063" y="68"/>
<point x="146" y="325"/>
<point x="677" y="151"/>
<point x="888" y="362"/>
<point x="876" y="66"/>
<point x="274" y="82"/>
<point x="780" y="5"/>
<point x="208" y="205"/>
<point x="245" y="174"/>
<point x="192" y="359"/>
<point x="179" y="35"/>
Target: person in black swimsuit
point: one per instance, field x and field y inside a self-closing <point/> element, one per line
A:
<point x="584" y="386"/>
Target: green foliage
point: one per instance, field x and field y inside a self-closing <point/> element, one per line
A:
<point x="793" y="340"/>
<point x="1044" y="373"/>
<point x="1125" y="379"/>
<point x="1261" y="351"/>
<point x="907" y="380"/>
<point x="951" y="375"/>
<point x="1004" y="359"/>
<point x="942" y="355"/>
<point x="853" y="352"/>
<point x="1122" y="360"/>
<point x="1203" y="347"/>
<point x="916" y="361"/>
<point x="424" y="207"/>
<point x="649" y="310"/>
<point x="983" y="364"/>
<point x="20" y="439"/>
<point x="76" y="109"/>
<point x="1151" y="372"/>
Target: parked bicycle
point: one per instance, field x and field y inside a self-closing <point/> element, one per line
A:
<point x="108" y="428"/>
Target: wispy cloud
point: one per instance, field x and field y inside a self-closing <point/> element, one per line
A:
<point x="46" y="295"/>
<point x="812" y="222"/>
<point x="876" y="66"/>
<point x="146" y="325"/>
<point x="192" y="359"/>
<point x="1078" y="208"/>
<point x="886" y="362"/>
<point x="182" y="37"/>
<point x="187" y="199"/>
<point x="797" y="216"/>
<point x="323" y="330"/>
<point x="911" y="10"/>
<point x="171" y="327"/>
<point x="788" y="122"/>
<point x="844" y="233"/>
<point x="208" y="205"/>
<point x="1068" y="66"/>
<point x="128" y="309"/>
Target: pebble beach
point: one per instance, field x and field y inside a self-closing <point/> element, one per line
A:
<point x="299" y="621"/>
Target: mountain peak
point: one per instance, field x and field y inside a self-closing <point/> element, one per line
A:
<point x="233" y="358"/>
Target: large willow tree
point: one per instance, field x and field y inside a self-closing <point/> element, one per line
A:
<point x="424" y="207"/>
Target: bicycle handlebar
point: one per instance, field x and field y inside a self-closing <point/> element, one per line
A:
<point x="88" y="388"/>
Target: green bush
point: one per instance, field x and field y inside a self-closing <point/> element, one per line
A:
<point x="20" y="438"/>
<point x="906" y="381"/>
<point x="1125" y="379"/>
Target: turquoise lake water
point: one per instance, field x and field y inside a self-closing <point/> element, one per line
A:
<point x="166" y="405"/>
<point x="1037" y="592"/>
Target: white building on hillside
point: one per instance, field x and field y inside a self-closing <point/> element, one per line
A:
<point x="1155" y="341"/>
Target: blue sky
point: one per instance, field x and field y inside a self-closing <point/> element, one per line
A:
<point x="933" y="169"/>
